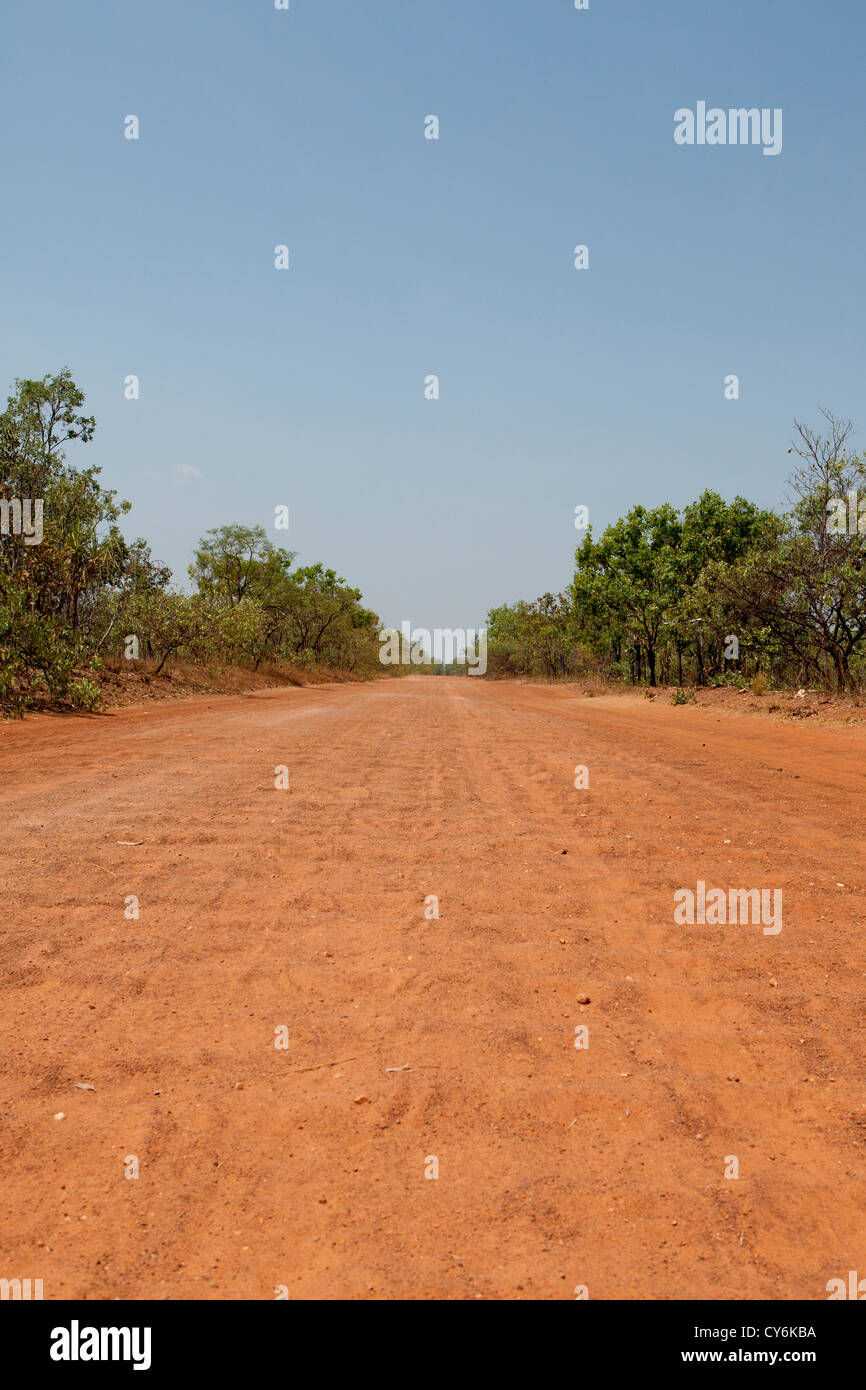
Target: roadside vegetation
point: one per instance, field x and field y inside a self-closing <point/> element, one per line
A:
<point x="720" y="593"/>
<point x="77" y="598"/>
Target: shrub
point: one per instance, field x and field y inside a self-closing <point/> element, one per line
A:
<point x="83" y="694"/>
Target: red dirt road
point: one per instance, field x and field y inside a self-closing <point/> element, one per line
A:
<point x="558" y="1166"/>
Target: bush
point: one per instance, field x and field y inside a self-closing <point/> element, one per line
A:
<point x="37" y="653"/>
<point x="83" y="694"/>
<point x="75" y="597"/>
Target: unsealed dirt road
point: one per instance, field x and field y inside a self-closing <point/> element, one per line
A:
<point x="413" y="1038"/>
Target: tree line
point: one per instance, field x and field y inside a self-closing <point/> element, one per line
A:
<point x="717" y="593"/>
<point x="75" y="594"/>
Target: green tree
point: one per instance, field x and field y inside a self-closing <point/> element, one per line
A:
<point x="237" y="562"/>
<point x="631" y="572"/>
<point x="53" y="585"/>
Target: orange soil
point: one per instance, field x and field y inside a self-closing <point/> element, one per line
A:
<point x="305" y="1168"/>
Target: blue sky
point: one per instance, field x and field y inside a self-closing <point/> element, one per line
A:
<point x="410" y="257"/>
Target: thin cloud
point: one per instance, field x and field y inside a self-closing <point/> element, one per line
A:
<point x="184" y="473"/>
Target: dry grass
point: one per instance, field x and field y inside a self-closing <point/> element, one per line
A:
<point x="134" y="682"/>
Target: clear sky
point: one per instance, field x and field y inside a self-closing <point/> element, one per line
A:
<point x="411" y="257"/>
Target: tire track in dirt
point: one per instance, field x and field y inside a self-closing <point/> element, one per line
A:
<point x="784" y="1126"/>
<point x="306" y="908"/>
